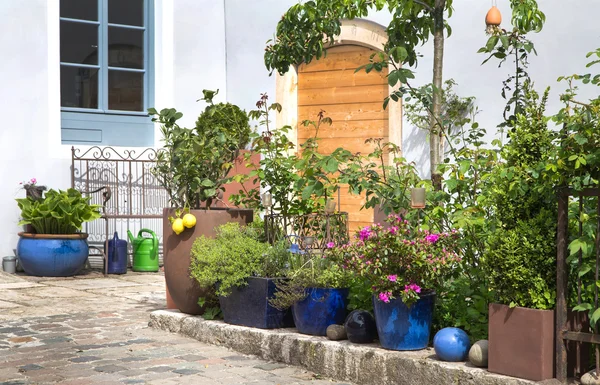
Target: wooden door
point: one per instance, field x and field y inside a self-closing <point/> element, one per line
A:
<point x="354" y="101"/>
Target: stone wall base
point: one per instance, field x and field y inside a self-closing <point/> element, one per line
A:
<point x="341" y="360"/>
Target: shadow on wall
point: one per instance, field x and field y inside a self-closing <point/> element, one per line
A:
<point x="415" y="147"/>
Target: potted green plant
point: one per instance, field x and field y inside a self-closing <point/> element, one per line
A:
<point x="403" y="266"/>
<point x="520" y="254"/>
<point x="316" y="289"/>
<point x="57" y="248"/>
<point x="245" y="270"/>
<point x="193" y="167"/>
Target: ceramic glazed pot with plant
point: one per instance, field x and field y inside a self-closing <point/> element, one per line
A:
<point x="317" y="289"/>
<point x="57" y="248"/>
<point x="403" y="266"/>
<point x="245" y="270"/>
<point x="193" y="167"/>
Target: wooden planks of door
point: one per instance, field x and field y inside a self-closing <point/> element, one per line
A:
<point x="354" y="101"/>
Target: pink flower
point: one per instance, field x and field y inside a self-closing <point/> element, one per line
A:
<point x="33" y="181"/>
<point x="433" y="238"/>
<point x="392" y="278"/>
<point x="364" y="233"/>
<point x="413" y="286"/>
<point x="393" y="230"/>
<point x="385" y="296"/>
<point x="330" y="245"/>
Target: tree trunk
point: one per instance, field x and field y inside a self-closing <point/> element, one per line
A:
<point x="436" y="131"/>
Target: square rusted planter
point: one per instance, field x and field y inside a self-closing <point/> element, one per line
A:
<point x="521" y="342"/>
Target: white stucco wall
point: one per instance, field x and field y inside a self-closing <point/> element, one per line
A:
<point x="190" y="56"/>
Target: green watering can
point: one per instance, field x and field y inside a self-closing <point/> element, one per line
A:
<point x="145" y="251"/>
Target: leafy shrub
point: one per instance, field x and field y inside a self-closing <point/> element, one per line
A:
<point x="194" y="163"/>
<point x="522" y="264"/>
<point x="521" y="251"/>
<point x="234" y="255"/>
<point x="228" y="259"/>
<point x="58" y="212"/>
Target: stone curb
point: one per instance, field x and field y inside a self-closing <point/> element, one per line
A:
<point x="340" y="360"/>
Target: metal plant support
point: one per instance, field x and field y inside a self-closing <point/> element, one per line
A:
<point x="131" y="198"/>
<point x="313" y="231"/>
<point x="573" y="331"/>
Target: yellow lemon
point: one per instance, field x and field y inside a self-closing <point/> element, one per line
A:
<point x="189" y="221"/>
<point x="178" y="226"/>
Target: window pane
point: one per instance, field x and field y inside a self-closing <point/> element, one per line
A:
<point x="78" y="43"/>
<point x="78" y="87"/>
<point x="79" y="9"/>
<point x="125" y="48"/>
<point x="129" y="12"/>
<point x="125" y="90"/>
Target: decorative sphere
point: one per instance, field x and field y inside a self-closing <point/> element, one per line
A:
<point x="451" y="344"/>
<point x="360" y="327"/>
<point x="478" y="355"/>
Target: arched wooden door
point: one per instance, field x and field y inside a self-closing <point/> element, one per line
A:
<point x="354" y="101"/>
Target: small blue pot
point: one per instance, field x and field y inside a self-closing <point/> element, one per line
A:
<point x="320" y="308"/>
<point x="52" y="255"/>
<point x="401" y="327"/>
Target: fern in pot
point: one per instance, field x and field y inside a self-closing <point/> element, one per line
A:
<point x="57" y="247"/>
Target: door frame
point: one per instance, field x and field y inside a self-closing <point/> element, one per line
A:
<point x="359" y="32"/>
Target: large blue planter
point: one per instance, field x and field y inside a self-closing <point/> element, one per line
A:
<point x="401" y="327"/>
<point x="52" y="255"/>
<point x="249" y="306"/>
<point x="321" y="308"/>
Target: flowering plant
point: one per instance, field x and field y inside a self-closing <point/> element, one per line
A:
<point x="398" y="261"/>
<point x="31" y="182"/>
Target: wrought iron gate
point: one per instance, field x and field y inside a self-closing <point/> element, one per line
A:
<point x="136" y="198"/>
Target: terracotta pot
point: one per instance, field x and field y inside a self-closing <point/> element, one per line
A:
<point x="183" y="289"/>
<point x="521" y="342"/>
<point x="493" y="17"/>
<point x="170" y="303"/>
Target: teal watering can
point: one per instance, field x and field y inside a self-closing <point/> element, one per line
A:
<point x="145" y="251"/>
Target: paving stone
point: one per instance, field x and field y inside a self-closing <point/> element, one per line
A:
<point x="133" y="359"/>
<point x="109" y="368"/>
<point x="191" y="357"/>
<point x="270" y="366"/>
<point x="186" y="372"/>
<point x="29" y="367"/>
<point x="161" y="369"/>
<point x="56" y="340"/>
<point x="85" y="359"/>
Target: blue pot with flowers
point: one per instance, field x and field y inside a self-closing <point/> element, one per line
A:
<point x="403" y="266"/>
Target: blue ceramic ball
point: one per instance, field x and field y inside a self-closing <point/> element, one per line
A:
<point x="451" y="344"/>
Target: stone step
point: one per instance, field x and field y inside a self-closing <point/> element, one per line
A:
<point x="341" y="360"/>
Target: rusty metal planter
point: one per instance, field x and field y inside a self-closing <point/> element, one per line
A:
<point x="183" y="289"/>
<point x="521" y="342"/>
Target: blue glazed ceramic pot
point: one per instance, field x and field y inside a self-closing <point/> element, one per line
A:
<point x="47" y="255"/>
<point x="401" y="327"/>
<point x="321" y="308"/>
<point x="451" y="344"/>
<point x="249" y="306"/>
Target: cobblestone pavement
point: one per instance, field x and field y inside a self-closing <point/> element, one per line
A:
<point x="93" y="330"/>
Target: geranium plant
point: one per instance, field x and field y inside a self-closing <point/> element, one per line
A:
<point x="398" y="260"/>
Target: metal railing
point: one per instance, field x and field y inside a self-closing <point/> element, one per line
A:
<point x="575" y="330"/>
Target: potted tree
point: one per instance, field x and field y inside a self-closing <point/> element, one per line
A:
<point x="193" y="167"/>
<point x="403" y="267"/>
<point x="57" y="248"/>
<point x="520" y="256"/>
<point x="245" y="270"/>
